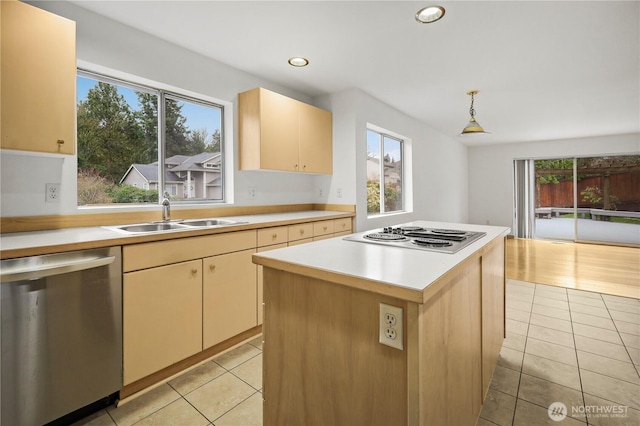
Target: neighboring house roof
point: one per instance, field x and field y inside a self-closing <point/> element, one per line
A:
<point x="178" y="163"/>
<point x="150" y="173"/>
<point x="175" y="160"/>
<point x="195" y="163"/>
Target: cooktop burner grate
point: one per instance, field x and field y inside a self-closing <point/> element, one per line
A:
<point x="411" y="228"/>
<point x="432" y="242"/>
<point x="448" y="231"/>
<point x="378" y="236"/>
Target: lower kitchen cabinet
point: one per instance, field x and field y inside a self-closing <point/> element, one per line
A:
<point x="229" y="296"/>
<point x="162" y="317"/>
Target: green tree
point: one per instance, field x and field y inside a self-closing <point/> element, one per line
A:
<point x="131" y="194"/>
<point x="147" y="118"/>
<point x="201" y="141"/>
<point x="108" y="134"/>
<point x="93" y="188"/>
<point x="556" y="165"/>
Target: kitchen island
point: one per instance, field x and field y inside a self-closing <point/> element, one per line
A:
<point x="323" y="360"/>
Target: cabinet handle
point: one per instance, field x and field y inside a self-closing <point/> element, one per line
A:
<point x="324" y="228"/>
<point x="304" y="167"/>
<point x="194" y="271"/>
<point x="302" y="232"/>
<point x="295" y="167"/>
<point x="60" y="142"/>
<point x="344" y="225"/>
<point x="212" y="267"/>
<point x="274" y="236"/>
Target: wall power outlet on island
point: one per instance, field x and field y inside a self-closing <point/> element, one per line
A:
<point x="391" y="332"/>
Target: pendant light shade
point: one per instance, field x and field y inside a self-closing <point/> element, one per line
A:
<point x="472" y="127"/>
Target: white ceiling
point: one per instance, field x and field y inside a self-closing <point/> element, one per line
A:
<point x="544" y="69"/>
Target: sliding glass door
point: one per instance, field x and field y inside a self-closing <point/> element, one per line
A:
<point x="608" y="195"/>
<point x="594" y="199"/>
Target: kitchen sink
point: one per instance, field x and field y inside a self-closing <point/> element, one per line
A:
<point x="198" y="223"/>
<point x="176" y="225"/>
<point x="151" y="227"/>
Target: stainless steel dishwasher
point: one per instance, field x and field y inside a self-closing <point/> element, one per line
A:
<point x="61" y="334"/>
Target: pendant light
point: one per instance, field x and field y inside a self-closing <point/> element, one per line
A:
<point x="473" y="127"/>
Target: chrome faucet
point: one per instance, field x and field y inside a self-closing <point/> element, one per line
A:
<point x="166" y="208"/>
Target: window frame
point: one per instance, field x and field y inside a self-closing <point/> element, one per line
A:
<point x="161" y="91"/>
<point x="404" y="143"/>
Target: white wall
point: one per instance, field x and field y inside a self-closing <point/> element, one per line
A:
<point x="491" y="170"/>
<point x="440" y="166"/>
<point x="105" y="44"/>
<point x="438" y="171"/>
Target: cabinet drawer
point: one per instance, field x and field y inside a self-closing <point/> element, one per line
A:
<point x="300" y="231"/>
<point x="270" y="236"/>
<point x="147" y="255"/>
<point x="342" y="225"/>
<point x="323" y="228"/>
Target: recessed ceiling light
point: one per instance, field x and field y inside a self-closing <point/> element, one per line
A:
<point x="430" y="14"/>
<point x="298" y="61"/>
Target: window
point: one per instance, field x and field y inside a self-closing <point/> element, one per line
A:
<point x="385" y="156"/>
<point x="126" y="154"/>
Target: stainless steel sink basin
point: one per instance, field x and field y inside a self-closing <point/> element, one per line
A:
<point x="177" y="225"/>
<point x="199" y="223"/>
<point x="150" y="227"/>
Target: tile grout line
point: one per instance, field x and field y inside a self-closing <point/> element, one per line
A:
<point x="573" y="335"/>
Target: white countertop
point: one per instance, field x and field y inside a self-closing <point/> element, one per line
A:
<point x="44" y="242"/>
<point x="411" y="269"/>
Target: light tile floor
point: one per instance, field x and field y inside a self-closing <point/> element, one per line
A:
<point x="578" y="348"/>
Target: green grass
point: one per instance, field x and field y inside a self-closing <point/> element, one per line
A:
<point x="613" y="218"/>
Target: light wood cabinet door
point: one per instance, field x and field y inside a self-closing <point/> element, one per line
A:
<point x="229" y="296"/>
<point x="162" y="317"/>
<point x="280" y="133"/>
<point x="38" y="80"/>
<point x="268" y="131"/>
<point x="316" y="146"/>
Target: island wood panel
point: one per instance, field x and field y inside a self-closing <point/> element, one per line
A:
<point x="450" y="354"/>
<point x="322" y="362"/>
<point x="493" y="310"/>
<point x="260" y="286"/>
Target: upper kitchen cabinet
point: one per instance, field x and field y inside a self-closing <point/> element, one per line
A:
<point x="280" y="133"/>
<point x="38" y="80"/>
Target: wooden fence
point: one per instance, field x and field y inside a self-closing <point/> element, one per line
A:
<point x="625" y="186"/>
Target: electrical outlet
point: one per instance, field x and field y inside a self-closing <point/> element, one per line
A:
<point x="52" y="192"/>
<point x="320" y="192"/>
<point x="339" y="192"/>
<point x="391" y="333"/>
<point x="252" y="193"/>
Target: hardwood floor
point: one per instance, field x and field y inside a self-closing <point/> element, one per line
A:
<point x="604" y="269"/>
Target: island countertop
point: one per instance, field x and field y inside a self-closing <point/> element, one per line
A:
<point x="407" y="274"/>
